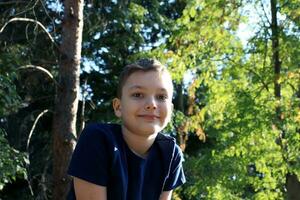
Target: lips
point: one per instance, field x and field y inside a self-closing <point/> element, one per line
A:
<point x="149" y="117"/>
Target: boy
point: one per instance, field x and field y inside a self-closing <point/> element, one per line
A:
<point x="133" y="161"/>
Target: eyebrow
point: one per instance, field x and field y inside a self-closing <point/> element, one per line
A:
<point x="136" y="87"/>
<point x="141" y="87"/>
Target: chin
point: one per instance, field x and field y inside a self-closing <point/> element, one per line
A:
<point x="145" y="129"/>
<point x="149" y="130"/>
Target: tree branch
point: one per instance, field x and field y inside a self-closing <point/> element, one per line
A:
<point x="40" y="69"/>
<point x="33" y="127"/>
<point x="29" y="20"/>
<point x="12" y="2"/>
<point x="265" y="13"/>
<point x="27" y="147"/>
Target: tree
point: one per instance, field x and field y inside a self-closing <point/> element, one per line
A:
<point x="23" y="48"/>
<point x="292" y="181"/>
<point x="236" y="144"/>
<point x="11" y="169"/>
<point x="24" y="44"/>
<point x="64" y="120"/>
<point x="114" y="34"/>
<point x="234" y="102"/>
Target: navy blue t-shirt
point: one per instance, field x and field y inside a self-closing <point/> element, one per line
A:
<point x="102" y="157"/>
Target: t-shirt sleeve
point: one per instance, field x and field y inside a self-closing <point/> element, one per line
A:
<point x="89" y="160"/>
<point x="176" y="176"/>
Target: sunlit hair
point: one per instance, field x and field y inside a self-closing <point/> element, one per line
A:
<point x="144" y="65"/>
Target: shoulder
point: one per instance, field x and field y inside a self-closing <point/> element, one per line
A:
<point x="168" y="142"/>
<point x="91" y="159"/>
<point x="178" y="155"/>
<point x="169" y="148"/>
<point x="95" y="133"/>
<point x="95" y="130"/>
<point x="173" y="158"/>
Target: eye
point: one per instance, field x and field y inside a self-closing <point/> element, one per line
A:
<point x="162" y="97"/>
<point x="137" y="95"/>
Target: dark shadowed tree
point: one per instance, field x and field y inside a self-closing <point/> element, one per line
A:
<point x="292" y="182"/>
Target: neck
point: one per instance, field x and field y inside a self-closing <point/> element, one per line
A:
<point x="139" y="144"/>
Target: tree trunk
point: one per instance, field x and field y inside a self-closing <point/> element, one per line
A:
<point x="293" y="187"/>
<point x="292" y="183"/>
<point x="66" y="103"/>
<point x="179" y="102"/>
<point x="181" y="129"/>
<point x="275" y="57"/>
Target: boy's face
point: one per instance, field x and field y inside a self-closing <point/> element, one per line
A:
<point x="146" y="103"/>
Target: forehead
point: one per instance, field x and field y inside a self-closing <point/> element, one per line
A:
<point x="150" y="80"/>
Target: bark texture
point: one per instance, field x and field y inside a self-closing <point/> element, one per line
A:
<point x="66" y="103"/>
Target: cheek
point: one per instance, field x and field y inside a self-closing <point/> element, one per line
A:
<point x="166" y="111"/>
<point x="129" y="107"/>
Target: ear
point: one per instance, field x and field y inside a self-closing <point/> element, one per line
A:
<point x="117" y="107"/>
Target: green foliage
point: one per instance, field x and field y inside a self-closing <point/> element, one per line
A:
<point x="247" y="152"/>
<point x="9" y="99"/>
<point x="12" y="163"/>
<point x="246" y="156"/>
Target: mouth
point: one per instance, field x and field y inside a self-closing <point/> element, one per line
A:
<point x="149" y="117"/>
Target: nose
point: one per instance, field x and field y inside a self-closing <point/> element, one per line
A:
<point x="150" y="104"/>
